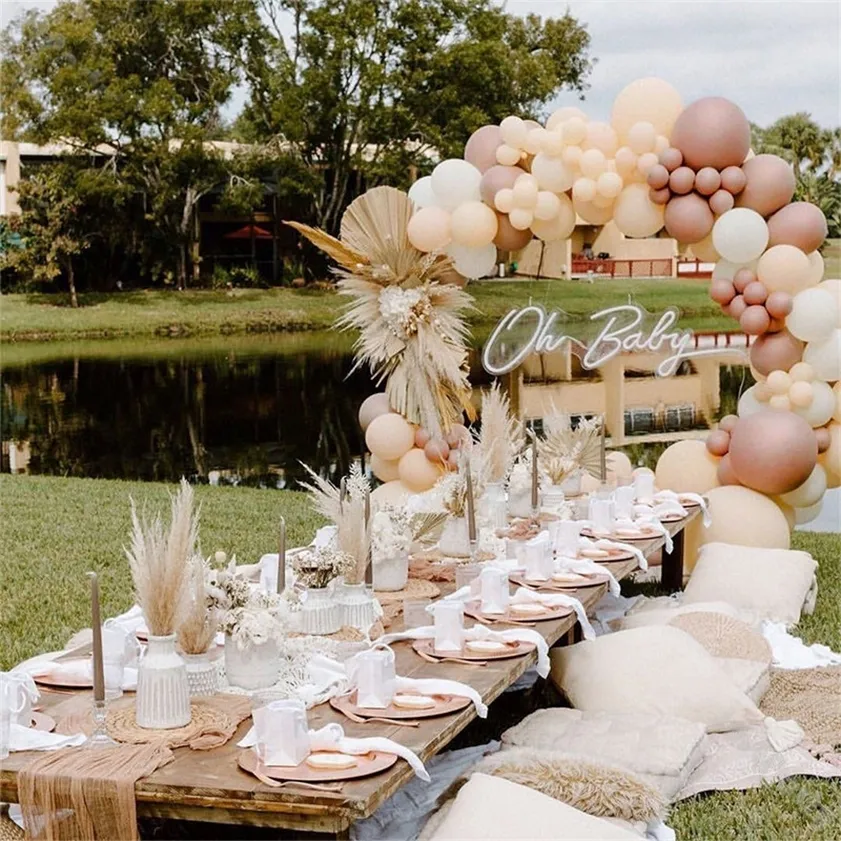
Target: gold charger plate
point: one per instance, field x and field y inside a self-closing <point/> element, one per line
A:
<point x="366" y="765"/>
<point x="593" y="580"/>
<point x="613" y="555"/>
<point x="472" y="609"/>
<point x="647" y="533"/>
<point x="444" y="705"/>
<point x="513" y="650"/>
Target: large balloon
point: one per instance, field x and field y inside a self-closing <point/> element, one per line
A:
<point x="712" y="132"/>
<point x="810" y="492"/>
<point x="783" y="268"/>
<point x="744" y="517"/>
<point x="430" y="229"/>
<point x="773" y="452"/>
<point x="480" y="149"/>
<point x="391" y="493"/>
<point x="421" y="192"/>
<point x="648" y="100"/>
<point x="770" y="184"/>
<point x="775" y="352"/>
<point x="417" y="472"/>
<point x="372" y="407"/>
<point x="390" y="436"/>
<point x="552" y="173"/>
<point x="473" y="262"/>
<point x="687" y="467"/>
<point x="688" y="218"/>
<point x="560" y="227"/>
<point x="385" y="471"/>
<point x="749" y="403"/>
<point x="635" y="214"/>
<point x="508" y="238"/>
<point x="497" y="178"/>
<point x="814" y="315"/>
<point x="473" y="224"/>
<point x="740" y="235"/>
<point x="455" y="181"/>
<point x="591" y="213"/>
<point x="800" y="224"/>
<point x="825" y="357"/>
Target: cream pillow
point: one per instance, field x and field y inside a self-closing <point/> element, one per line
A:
<point x="662" y="613"/>
<point x="656" y="669"/>
<point x="770" y="583"/>
<point x="494" y="809"/>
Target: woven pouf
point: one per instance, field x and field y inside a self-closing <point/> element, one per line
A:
<point x="9" y="830"/>
<point x="812" y="697"/>
<point x="724" y="636"/>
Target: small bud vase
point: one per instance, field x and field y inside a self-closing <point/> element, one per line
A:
<point x="391" y="573"/>
<point x="357" y="606"/>
<point x="320" y="612"/>
<point x="202" y="675"/>
<point x="493" y="505"/>
<point x="552" y="498"/>
<point x="252" y="667"/>
<point x="455" y="541"/>
<point x="163" y="691"/>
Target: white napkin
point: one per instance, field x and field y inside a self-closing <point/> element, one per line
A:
<point x="73" y="670"/>
<point x="585" y="566"/>
<point x="660" y="510"/>
<point x="332" y="738"/>
<point x="552" y="600"/>
<point x="649" y="520"/>
<point x="26" y="738"/>
<point x="671" y="496"/>
<point x="604" y="543"/>
<point x="480" y="632"/>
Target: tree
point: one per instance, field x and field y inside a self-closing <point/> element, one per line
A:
<point x="367" y="90"/>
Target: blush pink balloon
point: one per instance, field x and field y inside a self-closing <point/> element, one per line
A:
<point x="726" y="476"/>
<point x="661" y="196"/>
<point x="508" y="238"/>
<point x="823" y="437"/>
<point x="733" y="179"/>
<point x="728" y="422"/>
<point x="721" y="201"/>
<point x="722" y="291"/>
<point x="769" y="184"/>
<point x="718" y="442"/>
<point x="742" y="279"/>
<point x="737" y="307"/>
<point x="712" y="132"/>
<point x="755" y="320"/>
<point x="755" y="293"/>
<point x="658" y="177"/>
<point x="453" y="459"/>
<point x="773" y="452"/>
<point x="436" y="450"/>
<point x="422" y="437"/>
<point x="495" y="179"/>
<point x="779" y="304"/>
<point x="688" y="218"/>
<point x="671" y="158"/>
<point x="372" y="407"/>
<point x="707" y="181"/>
<point x="800" y="224"/>
<point x="775" y="352"/>
<point x="682" y="180"/>
<point x="481" y="146"/>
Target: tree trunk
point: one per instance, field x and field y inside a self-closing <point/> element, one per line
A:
<point x="181" y="268"/>
<point x="71" y="283"/>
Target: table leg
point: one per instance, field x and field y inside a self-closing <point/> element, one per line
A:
<point x="671" y="571"/>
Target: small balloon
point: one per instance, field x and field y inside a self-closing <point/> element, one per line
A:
<point x="457" y="435"/>
<point x="726" y="474"/>
<point x="671" y="158"/>
<point x="721" y="201"/>
<point x="737" y="306"/>
<point x="742" y="279"/>
<point x="682" y="180"/>
<point x="728" y="422"/>
<point x="755" y="293"/>
<point x="658" y="177"/>
<point x="422" y="436"/>
<point x="775" y="351"/>
<point x="754" y="320"/>
<point x="718" y="442"/>
<point x="779" y="304"/>
<point x="436" y="450"/>
<point x="660" y="196"/>
<point x="372" y="407"/>
<point x="733" y="180"/>
<point x="688" y="218"/>
<point x="823" y="438"/>
<point x="722" y="291"/>
<point x="707" y="181"/>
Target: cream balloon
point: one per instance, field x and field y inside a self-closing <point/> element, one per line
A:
<point x="619" y="467"/>
<point x="534" y="140"/>
<point x="504" y="200"/>
<point x="575" y="130"/>
<point x="687" y="467"/>
<point x="807" y="515"/>
<point x="726" y="270"/>
<point x="602" y="137"/>
<point x="782" y="268"/>
<point x="810" y="492"/>
<point x="561" y="115"/>
<point x="572" y="157"/>
<point x="593" y="163"/>
<point x="552" y="174"/>
<point x="635" y="214"/>
<point x="473" y="224"/>
<point x="609" y="185"/>
<point x="385" y="471"/>
<point x="430" y="229"/>
<point x="551" y="143"/>
<point x="422" y="194"/>
<point x="705" y="250"/>
<point x="813" y="316"/>
<point x="646" y="162"/>
<point x="391" y="493"/>
<point x="514" y="132"/>
<point x="821" y="407"/>
<point x="584" y="189"/>
<point x="390" y="436"/>
<point x="816" y="267"/>
<point x="520" y="218"/>
<point x="749" y="404"/>
<point x="645" y="100"/>
<point x="745" y="517"/>
<point x="831" y="459"/>
<point x="455" y="181"/>
<point x="641" y="137"/>
<point x="836" y="390"/>
<point x="825" y="357"/>
<point x="417" y="472"/>
<point x="591" y="213"/>
<point x="473" y="262"/>
<point x="560" y="226"/>
<point x="833" y="286"/>
<point x="508" y="155"/>
<point x="740" y="235"/>
<point x="547" y="206"/>
<point x="626" y="161"/>
<point x="525" y="190"/>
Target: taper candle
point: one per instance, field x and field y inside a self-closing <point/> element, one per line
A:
<point x="96" y="628"/>
<point x="369" y="566"/>
<point x="342" y="492"/>
<point x="281" y="557"/>
<point x="534" y="483"/>
<point x="603" y="462"/>
<point x="471" y="507"/>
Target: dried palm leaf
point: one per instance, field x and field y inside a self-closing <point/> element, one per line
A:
<point x="332" y="247"/>
<point x="570" y="448"/>
<point x="501" y="437"/>
<point x="425" y="524"/>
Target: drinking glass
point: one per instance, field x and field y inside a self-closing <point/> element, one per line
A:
<point x="415" y="614"/>
<point x="466" y="574"/>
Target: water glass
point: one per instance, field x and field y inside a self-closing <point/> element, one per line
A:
<point x="568" y="535"/>
<point x="449" y="625"/>
<point x="415" y="613"/>
<point x="495" y="590"/>
<point x="466" y="574"/>
<point x="282" y="732"/>
<point x="623" y="500"/>
<point x="601" y="515"/>
<point x="644" y="485"/>
<point x="582" y="508"/>
<point x="374" y="678"/>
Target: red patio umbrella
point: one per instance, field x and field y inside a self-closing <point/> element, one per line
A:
<point x="249" y="231"/>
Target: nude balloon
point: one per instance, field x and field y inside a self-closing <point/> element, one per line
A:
<point x="390" y="436"/>
<point x="718" y="442"/>
<point x="783" y="268"/>
<point x="385" y="471"/>
<point x="688" y="218"/>
<point x="671" y="158"/>
<point x="773" y="452"/>
<point x="417" y="472"/>
<point x="372" y="407"/>
<point x="437" y="450"/>
<point x="707" y="181"/>
<point x="737" y="306"/>
<point x="721" y="201"/>
<point x="682" y="180"/>
<point x="430" y="229"/>
<point x="712" y="132"/>
<point x="755" y="320"/>
<point x="635" y="214"/>
<point x="755" y="293"/>
<point x="658" y="177"/>
<point x="800" y="224"/>
<point x="725" y="474"/>
<point x="769" y="184"/>
<point x="508" y="238"/>
<point x="728" y="423"/>
<point x="742" y="279"/>
<point x="480" y="149"/>
<point x="779" y="304"/>
<point x="775" y="352"/>
<point x="722" y="291"/>
<point x="497" y="178"/>
<point x="733" y="180"/>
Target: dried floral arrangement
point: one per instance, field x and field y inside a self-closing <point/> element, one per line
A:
<point x="394" y="530"/>
<point x="501" y="437"/>
<point x="519" y="479"/>
<point x="316" y="568"/>
<point x="350" y="516"/>
<point x="201" y="617"/>
<point x="160" y="561"/>
<point x="564" y="449"/>
<point x="409" y="315"/>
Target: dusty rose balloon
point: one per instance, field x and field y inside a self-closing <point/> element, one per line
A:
<point x="682" y="180"/>
<point x="769" y="184"/>
<point x="800" y="224"/>
<point x="725" y="472"/>
<point x="688" y="218"/>
<point x="773" y="452"/>
<point x="422" y="437"/>
<point x="754" y="320"/>
<point x="721" y="201"/>
<point x="718" y="442"/>
<point x="775" y="352"/>
<point x="508" y="238"/>
<point x="658" y="177"/>
<point x="372" y="407"/>
<point x="457" y="435"/>
<point x="743" y="278"/>
<point x="779" y="304"/>
<point x="671" y="158"/>
<point x="497" y="178"/>
<point x="823" y="439"/>
<point x="722" y="291"/>
<point x="480" y="149"/>
<point x="707" y="181"/>
<point x="712" y="132"/>
<point x="436" y="450"/>
<point x="776" y="324"/>
<point x="736" y="307"/>
<point x="755" y="293"/>
<point x="733" y="179"/>
<point x="728" y="422"/>
<point x="661" y="196"/>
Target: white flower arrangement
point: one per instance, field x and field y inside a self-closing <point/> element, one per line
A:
<point x="391" y="533"/>
<point x="316" y="568"/>
<point x="403" y="309"/>
<point x="519" y="481"/>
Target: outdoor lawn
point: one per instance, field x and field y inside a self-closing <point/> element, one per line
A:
<point x="55" y="529"/>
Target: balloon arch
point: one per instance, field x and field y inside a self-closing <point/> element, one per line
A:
<point x="688" y="170"/>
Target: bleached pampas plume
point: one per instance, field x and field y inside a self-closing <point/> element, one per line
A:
<point x="198" y="627"/>
<point x="501" y="438"/>
<point x="160" y="561"/>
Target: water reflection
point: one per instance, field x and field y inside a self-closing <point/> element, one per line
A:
<point x="248" y="410"/>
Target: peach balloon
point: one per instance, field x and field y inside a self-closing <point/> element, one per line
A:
<point x="430" y="229"/>
<point x="800" y="224"/>
<point x="609" y="185"/>
<point x="650" y="100"/>
<point x="817" y="267"/>
<point x="635" y="214"/>
<point x="687" y="467"/>
<point x="682" y="180"/>
<point x="755" y="320"/>
<point x="830" y="459"/>
<point x="712" y="132"/>
<point x="769" y="184"/>
<point x="508" y="238"/>
<point x="658" y="177"/>
<point x="705" y="250"/>
<point x="736" y="307"/>
<point x="547" y="206"/>
<point x="721" y="201"/>
<point x="728" y="423"/>
<point x="773" y="452"/>
<point x="718" y="442"/>
<point x="823" y="439"/>
<point x="591" y="213"/>
<point x="497" y="178"/>
<point x="473" y="224"/>
<point x="417" y="472"/>
<point x="391" y="493"/>
<point x="618" y="466"/>
<point x="725" y="474"/>
<point x="390" y="436"/>
<point x="744" y="517"/>
<point x="561" y="226"/>
<point x="707" y="181"/>
<point x="480" y="149"/>
<point x="688" y="218"/>
<point x="671" y="158"/>
<point x="779" y="304"/>
<point x="836" y="390"/>
<point x="733" y="180"/>
<point x="372" y="407"/>
<point x="783" y="268"/>
<point x="437" y="450"/>
<point x="602" y="137"/>
<point x="385" y="471"/>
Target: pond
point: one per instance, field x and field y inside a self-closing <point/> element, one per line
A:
<point x="250" y="409"/>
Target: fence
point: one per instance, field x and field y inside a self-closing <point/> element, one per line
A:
<point x="695" y="269"/>
<point x="623" y="268"/>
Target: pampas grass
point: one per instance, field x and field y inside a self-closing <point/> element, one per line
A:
<point x="564" y="449"/>
<point x="501" y="436"/>
<point x="198" y="627"/>
<point x="160" y="562"/>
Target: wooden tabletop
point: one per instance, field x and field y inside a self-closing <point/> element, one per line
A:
<point x="209" y="786"/>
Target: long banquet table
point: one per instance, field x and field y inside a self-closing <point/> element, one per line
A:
<point x="209" y="786"/>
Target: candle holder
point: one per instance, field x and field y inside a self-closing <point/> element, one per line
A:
<point x="99" y="737"/>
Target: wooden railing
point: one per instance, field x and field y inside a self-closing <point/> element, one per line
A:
<point x="622" y="268"/>
<point x="695" y="269"/>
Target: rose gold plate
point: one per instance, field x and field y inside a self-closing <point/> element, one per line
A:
<point x="593" y="580"/>
<point x="68" y="682"/>
<point x="444" y="705"/>
<point x="646" y="533"/>
<point x="472" y="609"/>
<point x="43" y="722"/>
<point x="517" y="649"/>
<point x="366" y="765"/>
<point x="613" y="556"/>
<point x="688" y="503"/>
<point x="672" y="518"/>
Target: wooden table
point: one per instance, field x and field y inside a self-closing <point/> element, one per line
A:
<point x="209" y="786"/>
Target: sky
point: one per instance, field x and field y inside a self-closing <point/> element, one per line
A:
<point x="771" y="57"/>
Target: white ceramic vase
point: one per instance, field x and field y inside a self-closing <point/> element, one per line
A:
<point x="493" y="506"/>
<point x="455" y="539"/>
<point x="320" y="612"/>
<point x="202" y="675"/>
<point x="252" y="667"/>
<point x="391" y="573"/>
<point x="357" y="606"/>
<point x="552" y="498"/>
<point x="163" y="692"/>
<point x="571" y="484"/>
